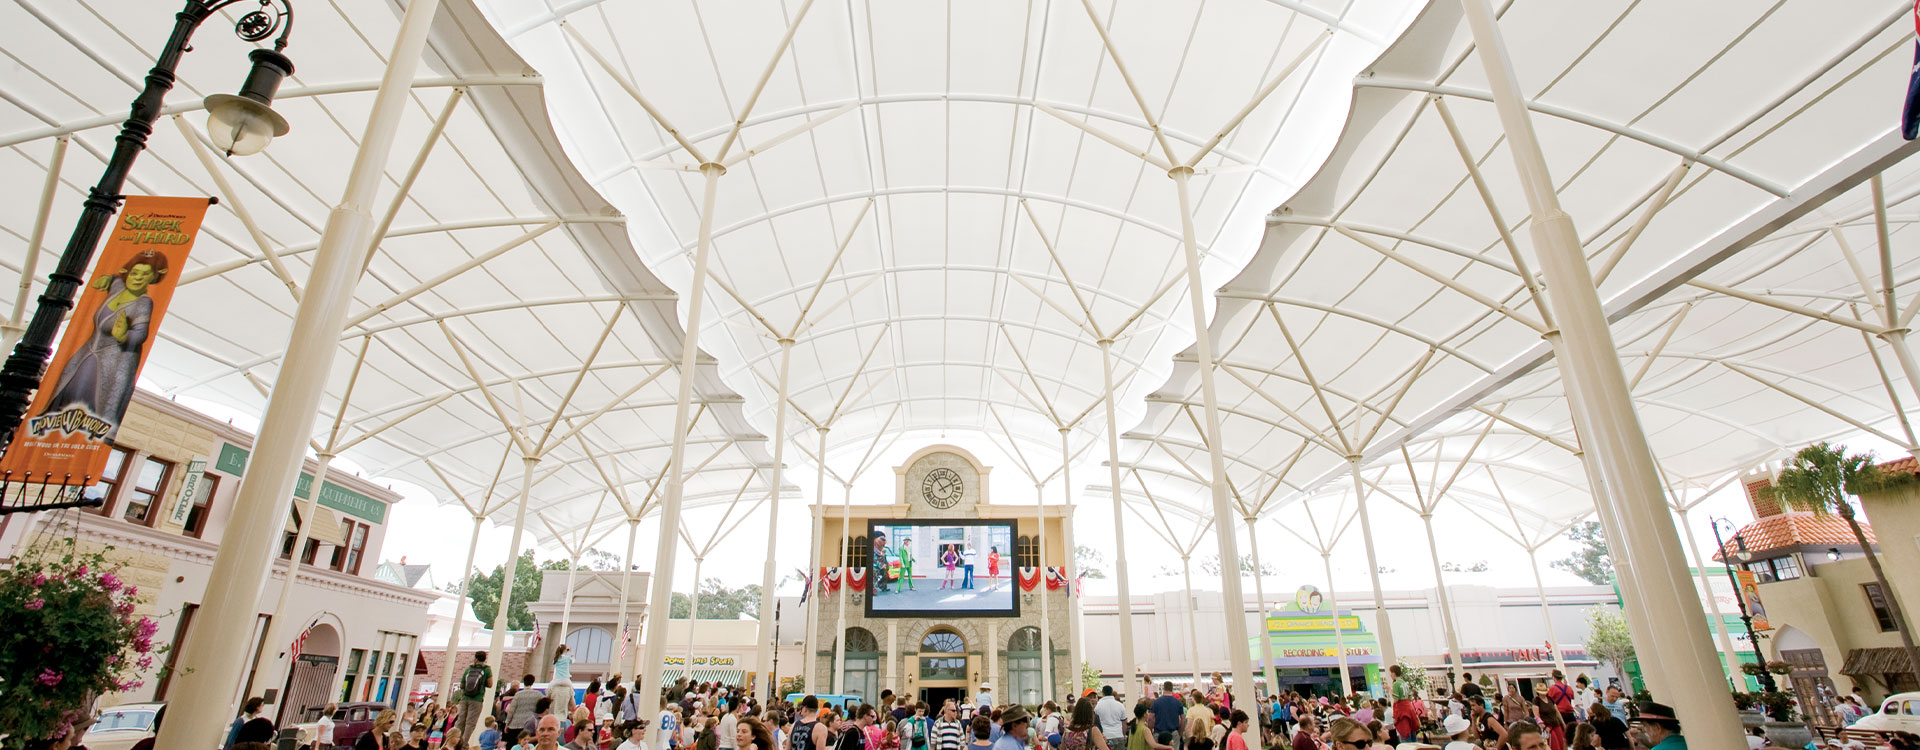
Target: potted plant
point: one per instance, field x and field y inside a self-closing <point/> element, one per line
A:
<point x="1751" y="668"/>
<point x="1779" y="667"/>
<point x="50" y="682"/>
<point x="1743" y="701"/>
<point x="1819" y="480"/>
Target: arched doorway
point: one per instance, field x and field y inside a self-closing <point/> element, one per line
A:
<point x="941" y="670"/>
<point x="1026" y="682"/>
<point x="592" y="648"/>
<point x="310" y="682"/>
<point x="863" y="665"/>
<point x="1809" y="678"/>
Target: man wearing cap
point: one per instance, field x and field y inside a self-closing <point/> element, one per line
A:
<point x="1013" y="728"/>
<point x="1656" y="721"/>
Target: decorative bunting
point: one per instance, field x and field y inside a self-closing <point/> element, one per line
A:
<point x="1055" y="578"/>
<point x="1027" y="578"/>
<point x="857" y="579"/>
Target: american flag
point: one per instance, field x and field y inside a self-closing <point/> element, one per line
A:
<point x="626" y="637"/>
<point x="535" y="642"/>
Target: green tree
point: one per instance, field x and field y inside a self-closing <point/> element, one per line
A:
<point x="1591" y="562"/>
<point x="718" y="602"/>
<point x="1608" y="640"/>
<point x="1818" y="480"/>
<point x="1089" y="675"/>
<point x="1087" y="561"/>
<point x="484" y="591"/>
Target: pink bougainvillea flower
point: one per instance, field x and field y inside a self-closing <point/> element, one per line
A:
<point x="50" y="678"/>
<point x="36" y="603"/>
<point x="39" y="579"/>
<point x="80" y="571"/>
<point x="145" y="663"/>
<point x="110" y="582"/>
<point x="132" y="591"/>
<point x="146" y="628"/>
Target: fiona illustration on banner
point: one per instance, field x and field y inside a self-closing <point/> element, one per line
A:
<point x="70" y="428"/>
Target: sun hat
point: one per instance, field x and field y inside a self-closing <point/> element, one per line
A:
<point x="1013" y="714"/>
<point x="1455" y="724"/>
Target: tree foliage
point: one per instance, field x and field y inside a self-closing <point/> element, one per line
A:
<point x="1211" y="566"/>
<point x="1089" y="674"/>
<point x="1088" y="562"/>
<point x="1592" y="562"/>
<point x="719" y="602"/>
<point x="1607" y="638"/>
<point x="484" y="591"/>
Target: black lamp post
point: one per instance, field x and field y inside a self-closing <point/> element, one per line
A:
<point x="1740" y="597"/>
<point x="239" y="124"/>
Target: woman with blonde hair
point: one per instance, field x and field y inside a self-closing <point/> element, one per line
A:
<point x="376" y="738"/>
<point x="1346" y="734"/>
<point x="1200" y="730"/>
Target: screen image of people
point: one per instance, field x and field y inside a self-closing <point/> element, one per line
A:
<point x="934" y="567"/>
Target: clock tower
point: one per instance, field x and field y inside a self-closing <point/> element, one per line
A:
<point x="941" y="481"/>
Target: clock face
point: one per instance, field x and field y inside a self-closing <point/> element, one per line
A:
<point x="941" y="488"/>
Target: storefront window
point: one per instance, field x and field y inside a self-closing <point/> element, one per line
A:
<point x="356" y="547"/>
<point x="109" y="480"/>
<point x="197" y="516"/>
<point x="1023" y="667"/>
<point x="354" y="660"/>
<point x="144" y="498"/>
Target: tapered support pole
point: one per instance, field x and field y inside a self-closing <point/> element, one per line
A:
<point x="459" y="616"/>
<point x="1193" y="623"/>
<point x="210" y="664"/>
<point x="810" y="665"/>
<point x="1382" y="620"/>
<point x="1129" y="686"/>
<point x="1216" y="458"/>
<point x="660" y="599"/>
<point x="763" y="653"/>
<point x="497" y="647"/>
<point x="1632" y="606"/>
<point x="1046" y="613"/>
<point x="1533" y="564"/>
<point x="693" y="618"/>
<point x="277" y="626"/>
<point x="1339" y="637"/>
<point x="1446" y="601"/>
<point x="566" y="601"/>
<point x="1072" y="566"/>
<point x="846" y="590"/>
<point x="1897" y="341"/>
<point x="620" y="611"/>
<point x="1610" y="430"/>
<point x="1713" y="603"/>
<point x="1260" y="592"/>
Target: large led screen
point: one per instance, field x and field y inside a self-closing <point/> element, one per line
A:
<point x="940" y="568"/>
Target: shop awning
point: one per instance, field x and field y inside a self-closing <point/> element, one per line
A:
<point x="326" y="529"/>
<point x="722" y="676"/>
<point x="1873" y="662"/>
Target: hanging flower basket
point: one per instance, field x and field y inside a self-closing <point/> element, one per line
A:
<point x="1779" y="667"/>
<point x="46" y="683"/>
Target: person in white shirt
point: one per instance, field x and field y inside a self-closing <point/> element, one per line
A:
<point x="323" y="730"/>
<point x="730" y="725"/>
<point x="636" y="737"/>
<point x="984" y="701"/>
<point x="1113" y="718"/>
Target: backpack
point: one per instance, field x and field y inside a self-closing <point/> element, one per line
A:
<point x="474" y="680"/>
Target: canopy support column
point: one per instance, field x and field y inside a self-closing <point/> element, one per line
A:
<point x="1130" y="679"/>
<point x="660" y="599"/>
<point x="763" y="650"/>
<point x="1193" y="624"/>
<point x="459" y="615"/>
<point x="1236" y="625"/>
<point x="1046" y="614"/>
<point x="15" y="325"/>
<point x="1339" y="637"/>
<point x="1446" y="602"/>
<point x="1610" y="429"/>
<point x="498" y="646"/>
<point x="693" y="617"/>
<point x="210" y="664"/>
<point x="1533" y="563"/>
<point x="271" y="652"/>
<point x="566" y="600"/>
<point x="846" y="589"/>
<point x="1727" y="653"/>
<point x="624" y="633"/>
<point x="815" y="583"/>
<point x="1381" y="620"/>
<point x="1260" y="592"/>
<point x="1071" y="568"/>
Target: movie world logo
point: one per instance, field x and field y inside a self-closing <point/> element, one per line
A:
<point x="74" y="419"/>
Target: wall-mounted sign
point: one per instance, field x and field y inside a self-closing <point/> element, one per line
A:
<point x="1307" y="599"/>
<point x="191" y="487"/>
<point x="699" y="661"/>
<point x="1282" y="623"/>
<point x="233" y="460"/>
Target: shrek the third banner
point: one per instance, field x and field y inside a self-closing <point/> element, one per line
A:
<point x="69" y="430"/>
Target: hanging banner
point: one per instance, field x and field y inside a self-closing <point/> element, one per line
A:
<point x="69" y="430"/>
<point x="1056" y="577"/>
<point x="1750" y="590"/>
<point x="829" y="580"/>
<point x="1027" y="578"/>
<point x="857" y="579"/>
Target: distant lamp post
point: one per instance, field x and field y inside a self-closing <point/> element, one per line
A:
<point x="1833" y="554"/>
<point x="1739" y="596"/>
<point x="239" y="124"/>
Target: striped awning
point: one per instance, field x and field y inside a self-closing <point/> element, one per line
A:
<point x="1873" y="662"/>
<point x="722" y="676"/>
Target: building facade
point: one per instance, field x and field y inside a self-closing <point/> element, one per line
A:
<point x="168" y="491"/>
<point x="943" y="647"/>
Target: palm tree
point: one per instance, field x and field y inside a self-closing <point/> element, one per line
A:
<point x="1818" y="480"/>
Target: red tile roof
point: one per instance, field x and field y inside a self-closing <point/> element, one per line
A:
<point x="1908" y="465"/>
<point x="1798" y="528"/>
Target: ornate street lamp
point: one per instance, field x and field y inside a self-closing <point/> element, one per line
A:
<point x="1739" y="596"/>
<point x="239" y="124"/>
